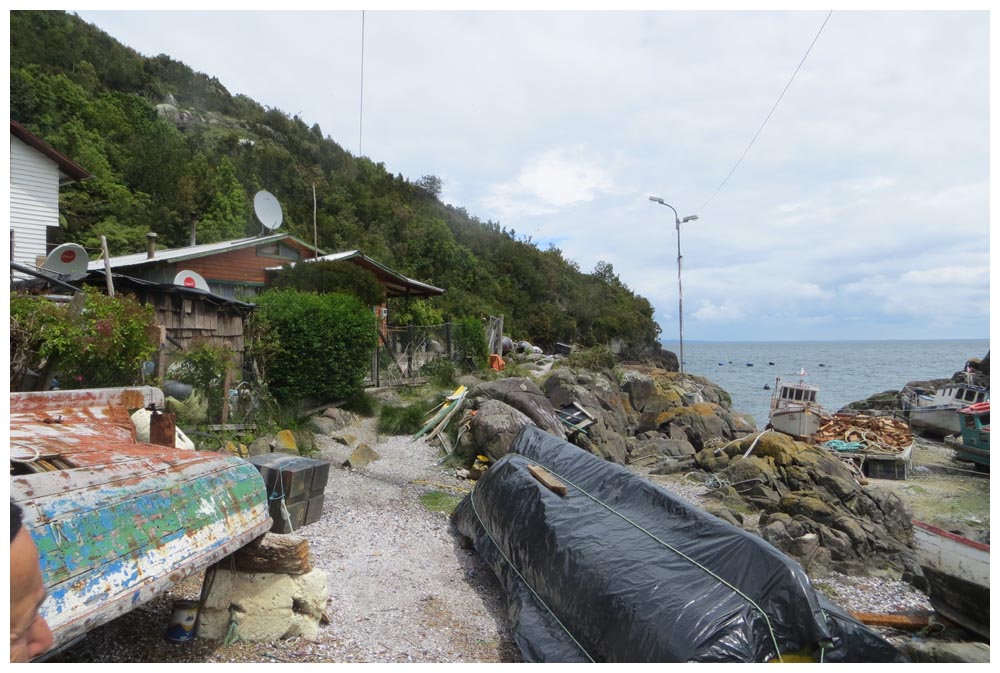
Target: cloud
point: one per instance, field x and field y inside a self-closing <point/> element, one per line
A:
<point x="548" y="182"/>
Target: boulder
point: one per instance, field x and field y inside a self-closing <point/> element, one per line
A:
<point x="322" y="425"/>
<point x="493" y="429"/>
<point x="262" y="445"/>
<point x="285" y="442"/>
<point x="363" y="455"/>
<point x="340" y="418"/>
<point x="640" y="388"/>
<point x="524" y="395"/>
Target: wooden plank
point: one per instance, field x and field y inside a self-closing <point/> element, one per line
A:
<point x="547" y="480"/>
<point x="162" y="429"/>
<point x="905" y="621"/>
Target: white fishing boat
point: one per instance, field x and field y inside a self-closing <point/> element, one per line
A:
<point x="935" y="412"/>
<point x="794" y="408"/>
<point x="957" y="570"/>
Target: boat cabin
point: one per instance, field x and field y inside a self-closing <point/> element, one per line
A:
<point x="793" y="394"/>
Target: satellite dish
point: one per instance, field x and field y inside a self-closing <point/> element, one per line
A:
<point x="191" y="279"/>
<point x="68" y="260"/>
<point x="267" y="210"/>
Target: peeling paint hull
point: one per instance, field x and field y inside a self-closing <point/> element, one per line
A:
<point x="121" y="522"/>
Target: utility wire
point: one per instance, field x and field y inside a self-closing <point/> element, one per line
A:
<point x="754" y="139"/>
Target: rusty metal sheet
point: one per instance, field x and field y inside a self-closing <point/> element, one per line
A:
<point x="123" y="521"/>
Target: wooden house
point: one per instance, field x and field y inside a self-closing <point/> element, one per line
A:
<point x="36" y="173"/>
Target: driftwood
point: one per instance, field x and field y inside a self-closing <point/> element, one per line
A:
<point x="275" y="553"/>
<point x="906" y="621"/>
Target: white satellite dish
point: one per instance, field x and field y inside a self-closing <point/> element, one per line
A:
<point x="267" y="210"/>
<point x="69" y="260"/>
<point x="191" y="279"/>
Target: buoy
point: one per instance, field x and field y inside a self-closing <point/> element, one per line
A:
<point x="749" y="364"/>
<point x="720" y="364"/>
<point x="181" y="628"/>
<point x="822" y="365"/>
<point x="767" y="386"/>
<point x="771" y="363"/>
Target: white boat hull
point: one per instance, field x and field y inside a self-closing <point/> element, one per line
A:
<point x="939" y="420"/>
<point x="796" y="422"/>
<point x="958" y="572"/>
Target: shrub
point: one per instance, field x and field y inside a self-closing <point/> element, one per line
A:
<point x="204" y="367"/>
<point x="595" y="358"/>
<point x="103" y="346"/>
<point x="361" y="403"/>
<point x="313" y="345"/>
<point x="470" y="341"/>
<point x="332" y="277"/>
<point x="441" y="372"/>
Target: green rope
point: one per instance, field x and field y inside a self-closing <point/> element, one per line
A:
<point x="472" y="501"/>
<point x="231" y="635"/>
<point x="734" y="589"/>
<point x="841" y="445"/>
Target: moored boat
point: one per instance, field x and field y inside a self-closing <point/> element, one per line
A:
<point x="795" y="410"/>
<point x="973" y="443"/>
<point x="957" y="570"/>
<point x="935" y="413"/>
<point x="118" y="522"/>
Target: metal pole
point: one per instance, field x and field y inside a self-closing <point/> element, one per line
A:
<point x="680" y="295"/>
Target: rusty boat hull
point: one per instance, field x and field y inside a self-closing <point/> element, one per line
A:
<point x="118" y="522"/>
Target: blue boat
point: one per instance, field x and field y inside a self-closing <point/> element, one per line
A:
<point x="973" y="443"/>
<point x="118" y="522"/>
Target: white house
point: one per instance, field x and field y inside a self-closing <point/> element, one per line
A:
<point x="36" y="173"/>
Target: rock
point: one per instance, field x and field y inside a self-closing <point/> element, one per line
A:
<point x="494" y="427"/>
<point x="284" y="442"/>
<point x="640" y="388"/>
<point x="660" y="447"/>
<point x="340" y="418"/>
<point x="264" y="606"/>
<point x="937" y="652"/>
<point x="322" y="425"/>
<point x="346" y="440"/>
<point x="305" y="440"/>
<point x="362" y="456"/>
<point x="524" y="395"/>
<point x="673" y="466"/>
<point x="262" y="445"/>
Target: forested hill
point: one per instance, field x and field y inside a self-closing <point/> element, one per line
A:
<point x="167" y="145"/>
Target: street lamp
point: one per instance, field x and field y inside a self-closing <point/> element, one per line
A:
<point x="680" y="295"/>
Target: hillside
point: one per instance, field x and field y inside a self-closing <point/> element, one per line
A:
<point x="168" y="146"/>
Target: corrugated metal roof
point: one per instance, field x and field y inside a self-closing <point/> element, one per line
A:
<point x="192" y="251"/>
<point x="404" y="281"/>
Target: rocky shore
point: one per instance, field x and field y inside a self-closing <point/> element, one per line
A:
<point x="402" y="587"/>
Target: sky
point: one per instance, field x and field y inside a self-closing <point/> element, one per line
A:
<point x="859" y="211"/>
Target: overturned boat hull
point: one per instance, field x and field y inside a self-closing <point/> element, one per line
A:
<point x="957" y="570"/>
<point x="602" y="565"/>
<point x="117" y="522"/>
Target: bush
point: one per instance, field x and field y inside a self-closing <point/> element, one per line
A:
<point x="103" y="346"/>
<point x="470" y="341"/>
<point x="204" y="367"/>
<point x="361" y="403"/>
<point x="332" y="277"/>
<point x="315" y="346"/>
<point x="441" y="373"/>
<point x="595" y="359"/>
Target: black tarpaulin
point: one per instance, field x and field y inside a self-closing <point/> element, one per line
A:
<point x="621" y="570"/>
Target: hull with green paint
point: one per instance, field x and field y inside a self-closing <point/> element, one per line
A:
<point x="119" y="522"/>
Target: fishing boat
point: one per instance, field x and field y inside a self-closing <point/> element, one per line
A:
<point x="794" y="409"/>
<point x="118" y="522"/>
<point x="957" y="570"/>
<point x="935" y="413"/>
<point x="973" y="443"/>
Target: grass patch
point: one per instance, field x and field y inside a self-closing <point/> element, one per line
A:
<point x="439" y="501"/>
<point x="361" y="403"/>
<point x="404" y="420"/>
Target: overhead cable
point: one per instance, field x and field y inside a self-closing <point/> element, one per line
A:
<point x="782" y="95"/>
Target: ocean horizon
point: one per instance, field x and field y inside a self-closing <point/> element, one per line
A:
<point x="845" y="371"/>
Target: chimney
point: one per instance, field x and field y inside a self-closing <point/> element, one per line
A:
<point x="150" y="245"/>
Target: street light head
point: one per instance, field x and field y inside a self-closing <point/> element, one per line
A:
<point x="690" y="218"/>
<point x="657" y="200"/>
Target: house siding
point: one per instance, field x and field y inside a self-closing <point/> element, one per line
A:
<point x="34" y="201"/>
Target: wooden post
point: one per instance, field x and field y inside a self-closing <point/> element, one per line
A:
<point x="107" y="266"/>
<point x="227" y="383"/>
<point x="409" y="351"/>
<point x="447" y="338"/>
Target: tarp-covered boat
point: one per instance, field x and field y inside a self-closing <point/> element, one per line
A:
<point x="118" y="522"/>
<point x="617" y="569"/>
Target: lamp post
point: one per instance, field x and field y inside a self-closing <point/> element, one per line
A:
<point x="680" y="294"/>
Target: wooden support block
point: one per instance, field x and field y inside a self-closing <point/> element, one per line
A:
<point x="275" y="553"/>
<point x="548" y="481"/>
<point x="162" y="429"/>
<point x="906" y="621"/>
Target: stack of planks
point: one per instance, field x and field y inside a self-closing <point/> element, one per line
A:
<point x="445" y="411"/>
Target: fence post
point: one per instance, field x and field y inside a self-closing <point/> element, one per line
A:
<point x="409" y="351"/>
<point x="447" y="339"/>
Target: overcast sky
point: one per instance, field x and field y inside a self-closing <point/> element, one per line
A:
<point x="860" y="212"/>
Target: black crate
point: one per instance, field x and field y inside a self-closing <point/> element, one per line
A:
<point x="296" y="478"/>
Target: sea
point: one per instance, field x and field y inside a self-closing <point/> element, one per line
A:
<point x="845" y="371"/>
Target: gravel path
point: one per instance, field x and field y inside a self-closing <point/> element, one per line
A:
<point x="402" y="588"/>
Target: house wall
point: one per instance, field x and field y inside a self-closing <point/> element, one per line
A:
<point x="34" y="201"/>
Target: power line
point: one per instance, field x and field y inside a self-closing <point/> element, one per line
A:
<point x="782" y="95"/>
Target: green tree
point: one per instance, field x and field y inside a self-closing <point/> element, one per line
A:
<point x="227" y="213"/>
